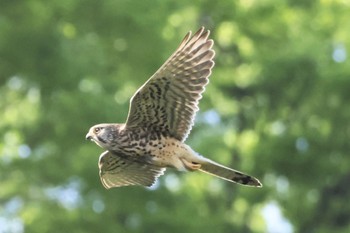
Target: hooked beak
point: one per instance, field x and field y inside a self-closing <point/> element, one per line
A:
<point x="88" y="137"/>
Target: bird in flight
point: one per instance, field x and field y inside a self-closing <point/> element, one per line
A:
<point x="161" y="115"/>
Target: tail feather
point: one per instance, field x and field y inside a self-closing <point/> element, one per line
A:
<point x="229" y="174"/>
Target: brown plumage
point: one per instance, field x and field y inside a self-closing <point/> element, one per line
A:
<point x="161" y="116"/>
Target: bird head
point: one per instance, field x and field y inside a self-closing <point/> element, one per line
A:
<point x="103" y="134"/>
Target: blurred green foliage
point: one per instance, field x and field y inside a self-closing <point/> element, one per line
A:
<point x="276" y="107"/>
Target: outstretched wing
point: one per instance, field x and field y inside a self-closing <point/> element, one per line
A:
<point x="168" y="101"/>
<point x="116" y="171"/>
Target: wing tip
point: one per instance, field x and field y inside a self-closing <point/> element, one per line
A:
<point x="185" y="40"/>
<point x="200" y="35"/>
<point x="200" y="31"/>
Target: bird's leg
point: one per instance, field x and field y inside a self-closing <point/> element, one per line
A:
<point x="191" y="166"/>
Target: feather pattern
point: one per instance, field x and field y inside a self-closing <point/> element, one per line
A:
<point x="168" y="101"/>
<point x="117" y="171"/>
<point x="228" y="174"/>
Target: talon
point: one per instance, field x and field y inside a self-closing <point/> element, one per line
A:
<point x="191" y="166"/>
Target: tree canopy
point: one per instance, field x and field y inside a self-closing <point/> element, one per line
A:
<point x="276" y="108"/>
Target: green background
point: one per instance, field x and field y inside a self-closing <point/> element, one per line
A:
<point x="277" y="107"/>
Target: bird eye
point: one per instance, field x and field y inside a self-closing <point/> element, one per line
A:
<point x="97" y="129"/>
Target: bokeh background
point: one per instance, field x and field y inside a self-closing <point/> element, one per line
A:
<point x="277" y="107"/>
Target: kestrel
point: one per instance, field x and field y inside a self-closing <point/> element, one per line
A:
<point x="161" y="115"/>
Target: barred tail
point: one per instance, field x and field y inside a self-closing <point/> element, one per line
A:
<point x="229" y="174"/>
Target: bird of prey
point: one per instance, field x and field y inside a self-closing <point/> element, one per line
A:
<point x="161" y="116"/>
